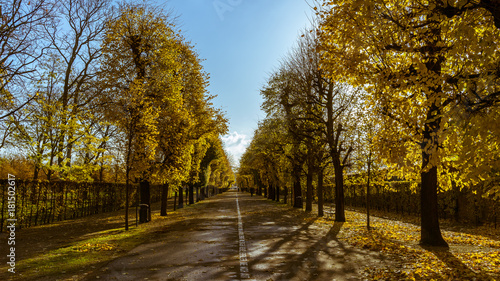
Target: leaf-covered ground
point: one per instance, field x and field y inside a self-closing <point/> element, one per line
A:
<point x="68" y="250"/>
<point x="72" y="250"/>
<point x="472" y="256"/>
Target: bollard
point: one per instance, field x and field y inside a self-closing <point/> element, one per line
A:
<point x="175" y="200"/>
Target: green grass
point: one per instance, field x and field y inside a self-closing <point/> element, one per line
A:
<point x="83" y="254"/>
<point x="87" y="254"/>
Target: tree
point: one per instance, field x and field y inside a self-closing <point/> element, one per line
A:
<point x="466" y="166"/>
<point x="317" y="110"/>
<point x="215" y="168"/>
<point x="64" y="108"/>
<point x="366" y="161"/>
<point x="419" y="66"/>
<point x="139" y="73"/>
<point x="21" y="47"/>
<point x="75" y="41"/>
<point x="308" y="113"/>
<point x="282" y="99"/>
<point x="259" y="165"/>
<point x="36" y="129"/>
<point x="334" y="103"/>
<point x="269" y="155"/>
<point x="185" y="128"/>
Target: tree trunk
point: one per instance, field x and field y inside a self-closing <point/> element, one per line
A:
<point x="430" y="233"/>
<point x="35" y="172"/>
<point x="320" y="193"/>
<point x="297" y="189"/>
<point x="259" y="186"/>
<point x="309" y="187"/>
<point x="127" y="202"/>
<point x="101" y="173"/>
<point x="191" y="194"/>
<point x="333" y="137"/>
<point x="164" y="199"/>
<point x="277" y="193"/>
<point x="51" y="162"/>
<point x="368" y="192"/>
<point x="339" y="190"/>
<point x="128" y="167"/>
<point x="181" y="199"/>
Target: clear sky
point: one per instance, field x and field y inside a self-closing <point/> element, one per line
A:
<point x="242" y="42"/>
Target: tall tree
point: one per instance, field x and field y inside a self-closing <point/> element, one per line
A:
<point x="282" y="99"/>
<point x="75" y="42"/>
<point x="417" y="64"/>
<point x="332" y="106"/>
<point x="139" y="72"/>
<point x="22" y="45"/>
<point x="183" y="128"/>
<point x="317" y="111"/>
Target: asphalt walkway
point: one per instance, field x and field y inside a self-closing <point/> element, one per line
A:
<point x="234" y="236"/>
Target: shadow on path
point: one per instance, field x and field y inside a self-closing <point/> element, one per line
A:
<point x="286" y="244"/>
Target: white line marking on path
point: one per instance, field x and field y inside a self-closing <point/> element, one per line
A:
<point x="244" y="272"/>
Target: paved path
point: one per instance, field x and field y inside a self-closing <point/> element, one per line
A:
<point x="234" y="236"/>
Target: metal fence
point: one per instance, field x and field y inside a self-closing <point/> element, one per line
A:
<point x="42" y="202"/>
<point x="396" y="197"/>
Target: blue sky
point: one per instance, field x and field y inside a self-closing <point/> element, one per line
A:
<point x="242" y="42"/>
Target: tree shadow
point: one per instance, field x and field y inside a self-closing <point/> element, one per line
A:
<point x="445" y="224"/>
<point x="458" y="268"/>
<point x="334" y="231"/>
<point x="204" y="240"/>
<point x="303" y="251"/>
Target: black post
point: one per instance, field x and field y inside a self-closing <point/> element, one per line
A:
<point x="144" y="215"/>
<point x="175" y="200"/>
